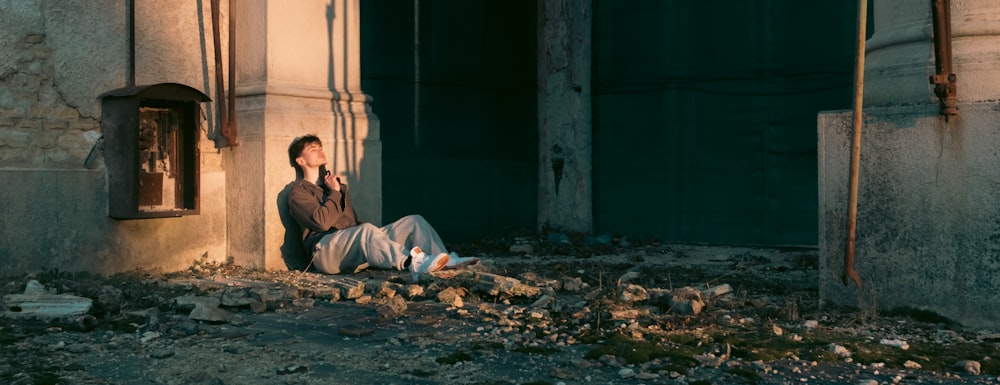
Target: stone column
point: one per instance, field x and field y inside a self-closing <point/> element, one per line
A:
<point x="298" y="72"/>
<point x="564" y="115"/>
<point x="928" y="210"/>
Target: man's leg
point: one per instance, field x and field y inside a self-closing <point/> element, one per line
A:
<point x="377" y="249"/>
<point x="339" y="252"/>
<point x="345" y="250"/>
<point x="413" y="230"/>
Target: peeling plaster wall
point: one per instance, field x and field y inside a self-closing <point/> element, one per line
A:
<point x="59" y="56"/>
<point x="928" y="233"/>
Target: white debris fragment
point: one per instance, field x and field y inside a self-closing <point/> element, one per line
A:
<point x="840" y="351"/>
<point x="37" y="301"/>
<point x="629" y="276"/>
<point x="911" y="365"/>
<point x="895" y="343"/>
<point x="810" y="324"/>
<point x="149" y="336"/>
<point x="717" y="291"/>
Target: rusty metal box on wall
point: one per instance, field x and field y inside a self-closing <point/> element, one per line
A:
<point x="151" y="150"/>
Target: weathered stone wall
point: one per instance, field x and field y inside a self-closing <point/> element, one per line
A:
<point x="927" y="224"/>
<point x="927" y="221"/>
<point x="59" y="56"/>
<point x="39" y="128"/>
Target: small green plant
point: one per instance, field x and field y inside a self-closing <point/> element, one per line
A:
<point x="637" y="352"/>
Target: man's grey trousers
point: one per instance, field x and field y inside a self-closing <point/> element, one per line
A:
<point x="388" y="247"/>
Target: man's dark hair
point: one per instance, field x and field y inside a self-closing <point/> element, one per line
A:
<point x="295" y="149"/>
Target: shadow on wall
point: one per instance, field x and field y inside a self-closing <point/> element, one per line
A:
<point x="292" y="252"/>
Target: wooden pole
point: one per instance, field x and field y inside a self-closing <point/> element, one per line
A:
<point x="859" y="87"/>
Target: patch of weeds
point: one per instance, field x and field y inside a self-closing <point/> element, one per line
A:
<point x="634" y="352"/>
<point x="453" y="358"/>
<point x="765" y="346"/>
<point x="822" y="354"/>
<point x="540" y="382"/>
<point x="940" y="357"/>
<point x="684" y="339"/>
<point x="867" y="354"/>
<point x="539" y="350"/>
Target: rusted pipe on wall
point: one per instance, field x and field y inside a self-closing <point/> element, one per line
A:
<point x="230" y="131"/>
<point x="943" y="79"/>
<point x="227" y="113"/>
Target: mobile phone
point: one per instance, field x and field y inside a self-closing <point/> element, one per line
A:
<point x="323" y="172"/>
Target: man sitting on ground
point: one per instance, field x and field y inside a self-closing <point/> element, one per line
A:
<point x="338" y="242"/>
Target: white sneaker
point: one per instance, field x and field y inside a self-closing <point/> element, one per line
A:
<point x="455" y="262"/>
<point x="421" y="263"/>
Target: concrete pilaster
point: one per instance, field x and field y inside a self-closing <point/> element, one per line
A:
<point x="565" y="192"/>
<point x="298" y="72"/>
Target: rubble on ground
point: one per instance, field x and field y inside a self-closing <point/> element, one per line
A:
<point x="600" y="310"/>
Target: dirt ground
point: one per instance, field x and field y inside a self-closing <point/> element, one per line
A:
<point x="558" y="310"/>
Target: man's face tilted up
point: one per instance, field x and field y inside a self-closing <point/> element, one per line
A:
<point x="312" y="156"/>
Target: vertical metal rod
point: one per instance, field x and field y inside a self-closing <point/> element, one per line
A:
<point x="859" y="88"/>
<point x="130" y="25"/>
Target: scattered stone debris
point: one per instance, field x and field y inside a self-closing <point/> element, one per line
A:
<point x="492" y="284"/>
<point x="563" y="309"/>
<point x="392" y="307"/>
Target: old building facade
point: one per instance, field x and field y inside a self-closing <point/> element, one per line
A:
<point x="682" y="121"/>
